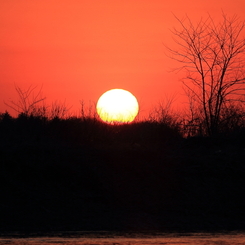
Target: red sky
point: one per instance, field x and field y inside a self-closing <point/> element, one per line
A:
<point x="78" y="49"/>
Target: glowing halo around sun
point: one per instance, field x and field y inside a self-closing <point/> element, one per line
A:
<point x="117" y="106"/>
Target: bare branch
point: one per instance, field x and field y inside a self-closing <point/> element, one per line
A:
<point x="213" y="56"/>
<point x="27" y="100"/>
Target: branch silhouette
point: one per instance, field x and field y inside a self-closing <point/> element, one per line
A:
<point x="212" y="54"/>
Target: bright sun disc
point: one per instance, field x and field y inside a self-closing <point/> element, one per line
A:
<point x="117" y="106"/>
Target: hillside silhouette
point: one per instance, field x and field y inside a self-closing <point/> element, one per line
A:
<point x="82" y="174"/>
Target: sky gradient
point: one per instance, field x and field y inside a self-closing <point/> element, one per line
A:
<point x="78" y="49"/>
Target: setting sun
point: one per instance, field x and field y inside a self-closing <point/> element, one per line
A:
<point x="117" y="106"/>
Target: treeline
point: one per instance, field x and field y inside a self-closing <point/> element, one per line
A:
<point x="84" y="130"/>
<point x="161" y="125"/>
<point x="78" y="173"/>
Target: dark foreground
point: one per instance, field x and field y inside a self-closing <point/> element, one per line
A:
<point x="52" y="184"/>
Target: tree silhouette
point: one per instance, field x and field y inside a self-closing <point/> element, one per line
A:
<point x="30" y="102"/>
<point x="27" y="100"/>
<point x="212" y="54"/>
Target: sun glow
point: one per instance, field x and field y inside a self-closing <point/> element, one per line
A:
<point x="117" y="106"/>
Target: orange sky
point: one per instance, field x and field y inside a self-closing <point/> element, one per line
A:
<point x="78" y="49"/>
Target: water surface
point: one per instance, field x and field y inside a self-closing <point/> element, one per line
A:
<point x="105" y="239"/>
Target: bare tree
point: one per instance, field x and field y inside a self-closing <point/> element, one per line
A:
<point x="212" y="54"/>
<point x="27" y="100"/>
<point x="30" y="102"/>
